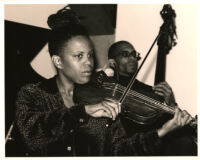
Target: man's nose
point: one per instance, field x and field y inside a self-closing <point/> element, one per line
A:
<point x="132" y="57"/>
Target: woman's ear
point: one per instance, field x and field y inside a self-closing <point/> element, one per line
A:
<point x="57" y="61"/>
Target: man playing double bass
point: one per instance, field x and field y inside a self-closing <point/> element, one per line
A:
<point x="123" y="59"/>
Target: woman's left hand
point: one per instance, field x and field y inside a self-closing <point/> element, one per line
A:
<point x="163" y="89"/>
<point x="180" y="119"/>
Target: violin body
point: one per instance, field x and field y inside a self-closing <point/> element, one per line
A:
<point x="140" y="112"/>
<point x="135" y="111"/>
<point x="134" y="108"/>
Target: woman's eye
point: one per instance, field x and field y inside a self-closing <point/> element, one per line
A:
<point x="79" y="56"/>
<point x="90" y="54"/>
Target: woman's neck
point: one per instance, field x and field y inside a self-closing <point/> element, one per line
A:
<point x="65" y="85"/>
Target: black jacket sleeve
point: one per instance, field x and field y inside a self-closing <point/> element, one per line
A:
<point x="139" y="144"/>
<point x="42" y="123"/>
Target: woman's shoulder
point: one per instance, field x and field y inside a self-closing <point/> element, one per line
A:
<point x="46" y="85"/>
<point x="30" y="87"/>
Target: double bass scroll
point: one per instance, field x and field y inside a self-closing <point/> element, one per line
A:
<point x="166" y="41"/>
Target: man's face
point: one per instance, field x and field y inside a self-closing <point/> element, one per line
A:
<point x="126" y="60"/>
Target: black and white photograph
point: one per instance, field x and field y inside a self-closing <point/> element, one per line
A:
<point x="100" y="79"/>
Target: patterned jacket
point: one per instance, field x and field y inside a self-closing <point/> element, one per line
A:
<point x="49" y="128"/>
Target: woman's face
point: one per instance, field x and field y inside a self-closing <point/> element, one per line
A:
<point x="77" y="59"/>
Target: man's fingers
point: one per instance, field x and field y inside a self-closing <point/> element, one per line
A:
<point x="163" y="91"/>
<point x="162" y="87"/>
<point x="160" y="93"/>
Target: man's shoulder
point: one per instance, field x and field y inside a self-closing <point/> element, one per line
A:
<point x="141" y="85"/>
<point x="147" y="90"/>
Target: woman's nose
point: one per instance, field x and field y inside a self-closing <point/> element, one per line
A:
<point x="88" y="61"/>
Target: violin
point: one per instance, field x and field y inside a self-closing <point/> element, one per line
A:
<point x="137" y="107"/>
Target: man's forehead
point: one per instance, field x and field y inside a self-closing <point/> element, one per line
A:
<point x="125" y="47"/>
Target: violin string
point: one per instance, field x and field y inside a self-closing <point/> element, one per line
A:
<point x="156" y="103"/>
<point x="139" y="95"/>
<point x="150" y="101"/>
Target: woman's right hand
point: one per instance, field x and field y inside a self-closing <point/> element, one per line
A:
<point x="107" y="108"/>
<point x="180" y="119"/>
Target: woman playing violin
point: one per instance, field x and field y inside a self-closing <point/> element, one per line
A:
<point x="46" y="114"/>
<point x="52" y="124"/>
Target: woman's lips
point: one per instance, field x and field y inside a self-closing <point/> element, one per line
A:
<point x="87" y="73"/>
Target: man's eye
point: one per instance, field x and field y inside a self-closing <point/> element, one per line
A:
<point x="124" y="54"/>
